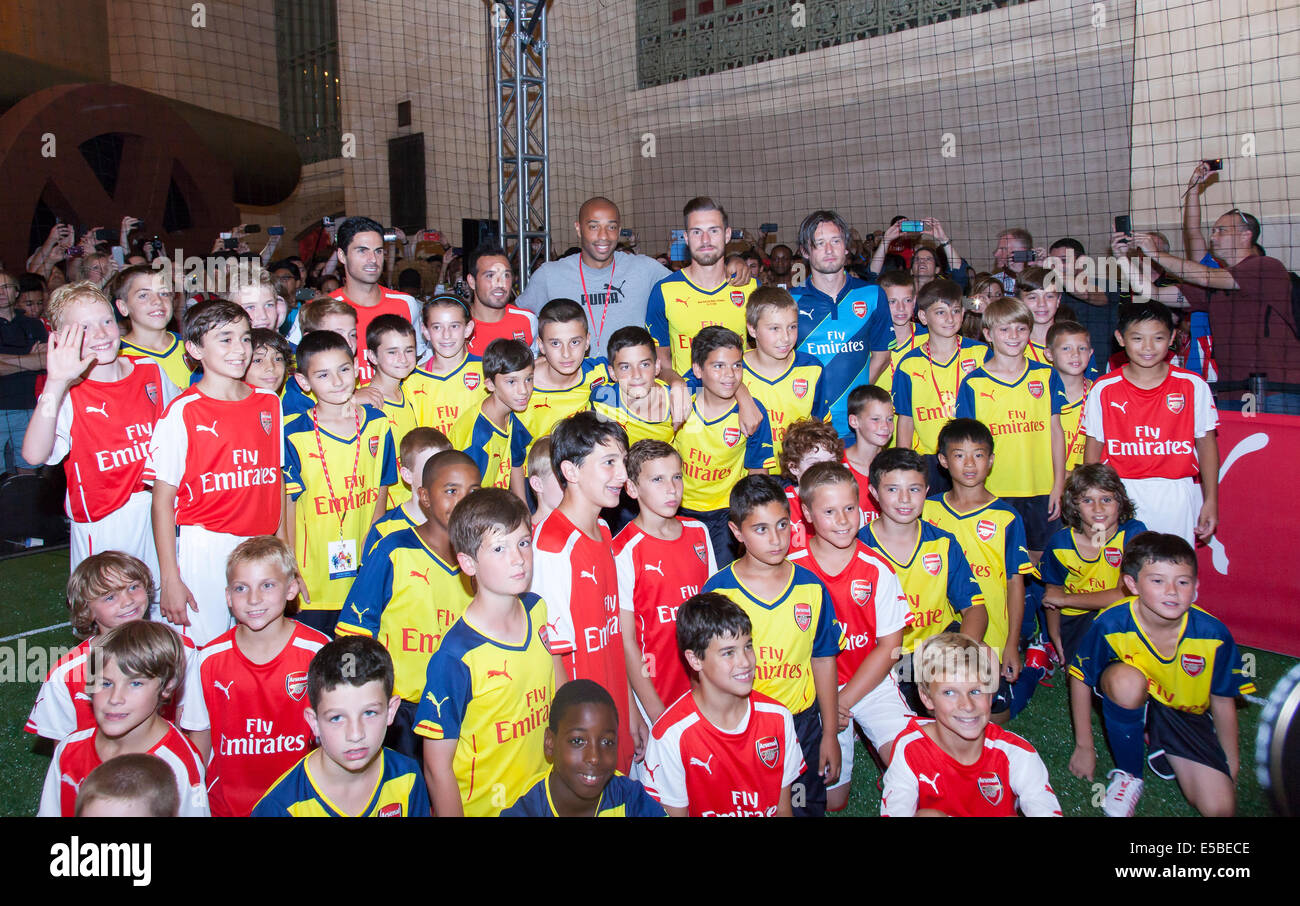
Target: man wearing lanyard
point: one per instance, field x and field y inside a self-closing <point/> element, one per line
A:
<point x="843" y="321"/>
<point x="611" y="286"/>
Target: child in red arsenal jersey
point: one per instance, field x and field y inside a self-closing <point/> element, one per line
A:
<point x="807" y="442"/>
<point x="129" y="786"/>
<point x="140" y="665"/>
<point x="96" y="415"/>
<point x="246" y="696"/>
<point x="871" y="416"/>
<point x="215" y="462"/>
<point x="959" y="764"/>
<point x="574" y="564"/>
<point x="662" y="560"/>
<point x="1156" y="425"/>
<point x="722" y="749"/>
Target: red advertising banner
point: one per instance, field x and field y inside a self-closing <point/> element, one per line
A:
<point x="1250" y="571"/>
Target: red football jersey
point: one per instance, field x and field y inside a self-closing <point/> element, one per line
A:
<point x="576" y="577"/>
<point x="516" y="324"/>
<point x="868" y="601"/>
<point x="63" y="705"/>
<point x="800" y="529"/>
<point x="870" y="512"/>
<point x="255" y="714"/>
<point x="391" y="303"/>
<point x="645" y="588"/>
<point x="716" y="773"/>
<point x="225" y="459"/>
<point x="1150" y="433"/>
<point x="104" y="428"/>
<point x="75" y="758"/>
<point x="1008" y="775"/>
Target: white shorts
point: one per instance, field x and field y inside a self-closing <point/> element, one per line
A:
<point x="882" y="714"/>
<point x="1168" y="505"/>
<point x="201" y="555"/>
<point x="128" y="529"/>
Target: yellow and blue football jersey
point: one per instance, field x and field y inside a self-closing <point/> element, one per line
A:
<point x="937" y="580"/>
<point x="607" y="400"/>
<point x="677" y="310"/>
<point x="925" y="389"/>
<point x="401" y="419"/>
<point x="548" y="407"/>
<point x="400" y="793"/>
<point x="716" y="454"/>
<point x="394" y="520"/>
<point x="407" y="597"/>
<point x="340" y="508"/>
<point x="993" y="539"/>
<point x="172" y="359"/>
<point x="1019" y="414"/>
<point x="495" y="700"/>
<point x="494" y="450"/>
<point x="622" y="797"/>
<point x="1205" y="662"/>
<point x="787" y="632"/>
<point x="1063" y="565"/>
<point x="798" y="393"/>
<point x="1072" y="426"/>
<point x="441" y="399"/>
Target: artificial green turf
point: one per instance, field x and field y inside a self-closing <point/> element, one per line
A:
<point x="31" y="596"/>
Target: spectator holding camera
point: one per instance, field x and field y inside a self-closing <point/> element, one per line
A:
<point x="1014" y="250"/>
<point x="1248" y="301"/>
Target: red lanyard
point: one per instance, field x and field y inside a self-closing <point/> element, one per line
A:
<point x="1033" y="351"/>
<point x="933" y="380"/>
<point x="1087" y="385"/>
<point x="356" y="462"/>
<point x="609" y="291"/>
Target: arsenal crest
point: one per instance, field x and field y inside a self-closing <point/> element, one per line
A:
<point x="800" y="387"/>
<point x="374" y="446"/>
<point x="731" y="436"/>
<point x="702" y="552"/>
<point x="295" y="684"/>
<point x="392" y="810"/>
<point x="859" y="307"/>
<point x="932" y="563"/>
<point x="1175" y="401"/>
<point x="520" y="336"/>
<point x="1193" y="664"/>
<point x="471" y="379"/>
<point x="803" y="616"/>
<point x="1114" y="555"/>
<point x="991" y="788"/>
<point x="967" y="366"/>
<point x="151" y="391"/>
<point x="769" y="750"/>
<point x="264" y="419"/>
<point x="860" y="589"/>
<point x="1036" y="389"/>
<point x="986" y="529"/>
<point x="737" y="298"/>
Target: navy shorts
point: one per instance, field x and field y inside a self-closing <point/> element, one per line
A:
<point x="401" y="736"/>
<point x="1033" y="513"/>
<point x="1074" y="626"/>
<point x="812" y="793"/>
<point x="1183" y="735"/>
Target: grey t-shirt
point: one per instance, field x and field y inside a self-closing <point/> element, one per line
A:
<point x="617" y="298"/>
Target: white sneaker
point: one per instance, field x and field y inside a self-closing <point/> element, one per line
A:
<point x="1122" y="795"/>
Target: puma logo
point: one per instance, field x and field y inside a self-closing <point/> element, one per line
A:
<point x="361" y="614"/>
<point x="420" y="392"/>
<point x="650" y="771"/>
<point x="656" y="568"/>
<point x="225" y="689"/>
<point x="437" y="703"/>
<point x="583" y="574"/>
<point x="805" y="314"/>
<point x="989" y="395"/>
<point x="212" y="430"/>
<point x="65" y="778"/>
<point x="102" y="410"/>
<point x="424" y="575"/>
<point x="544" y="404"/>
<point x="933" y="781"/>
<point x="704" y="764"/>
<point x="504" y="671"/>
<point x="1122" y="407"/>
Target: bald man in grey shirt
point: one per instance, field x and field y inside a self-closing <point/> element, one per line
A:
<point x="612" y="287"/>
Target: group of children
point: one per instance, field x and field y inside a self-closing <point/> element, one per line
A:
<point x="568" y="585"/>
